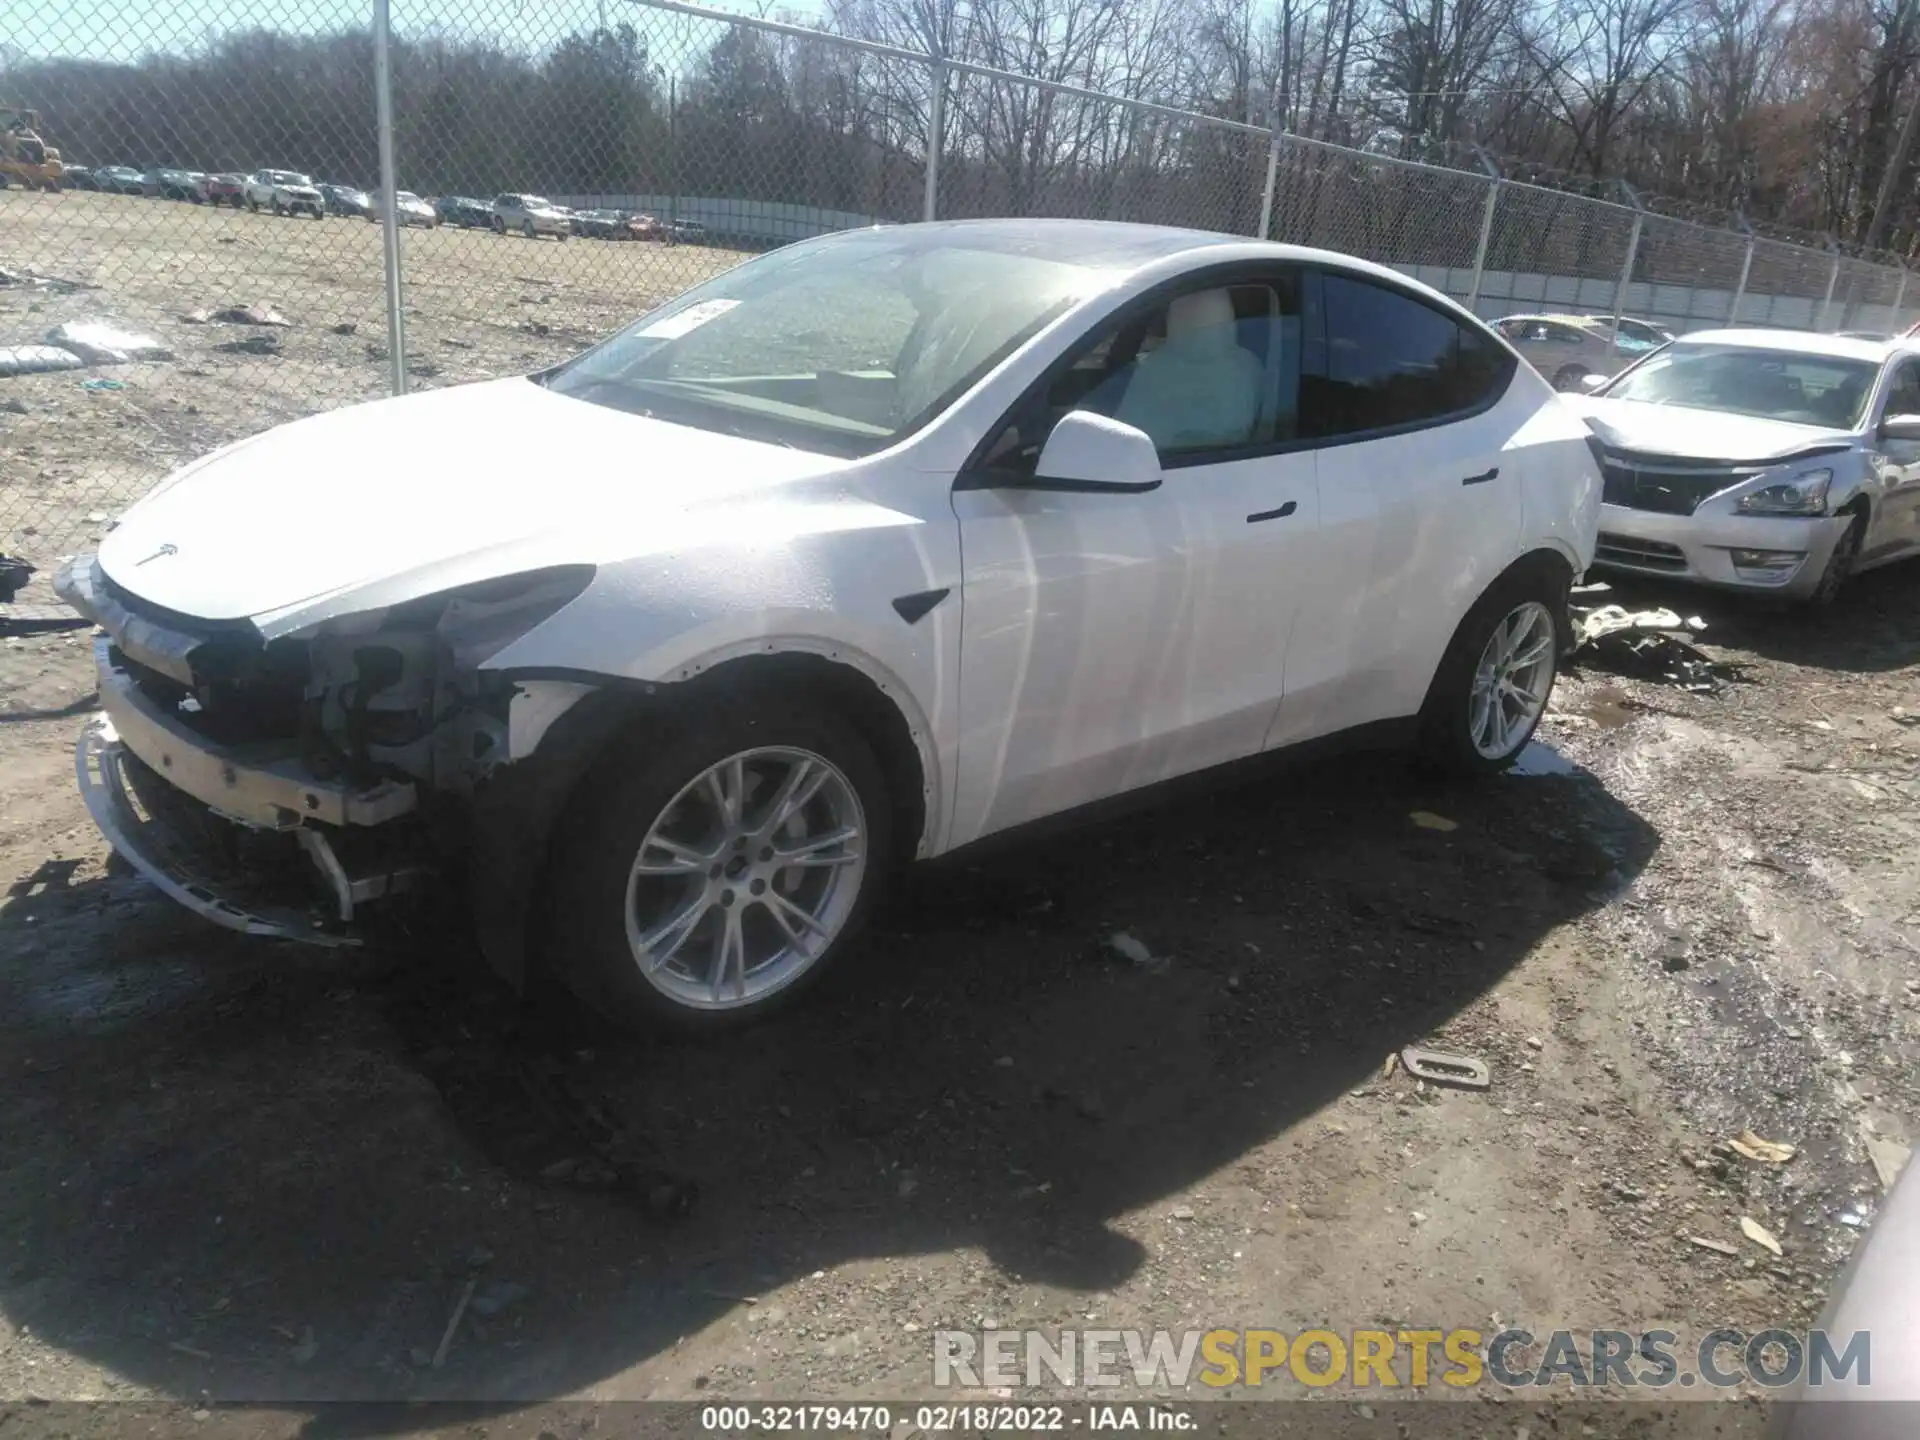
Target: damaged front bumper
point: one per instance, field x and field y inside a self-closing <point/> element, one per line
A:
<point x="1784" y="554"/>
<point x="240" y="835"/>
<point x="279" y="787"/>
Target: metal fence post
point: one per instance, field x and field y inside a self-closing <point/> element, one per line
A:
<point x="1273" y="177"/>
<point x="936" y="132"/>
<point x="1833" y="279"/>
<point x="1486" y="226"/>
<point x="389" y="211"/>
<point x="1899" y="299"/>
<point x="1626" y="271"/>
<point x="1746" y="269"/>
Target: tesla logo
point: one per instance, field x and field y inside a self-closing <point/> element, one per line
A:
<point x="167" y="549"/>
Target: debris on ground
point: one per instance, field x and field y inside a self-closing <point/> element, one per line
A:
<point x="36" y="359"/>
<point x="1647" y="645"/>
<point x="34" y="280"/>
<point x="1719" y="1247"/>
<point x="101" y="342"/>
<point x="345" y="327"/>
<point x="1122" y="946"/>
<point x="1759" y="1234"/>
<point x="1889" y="1158"/>
<point x="1751" y="1147"/>
<point x="14" y="574"/>
<point x="251" y="315"/>
<point x="1427" y="820"/>
<point x="97" y="384"/>
<point x="1438" y="1068"/>
<point x="453" y="1322"/>
<point x="252" y="345"/>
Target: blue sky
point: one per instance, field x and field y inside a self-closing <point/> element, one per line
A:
<point x="124" y="31"/>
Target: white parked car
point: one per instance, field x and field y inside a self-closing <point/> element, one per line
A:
<point x="866" y="549"/>
<point x="408" y="207"/>
<point x="531" y="216"/>
<point x="1762" y="460"/>
<point x="285" y="192"/>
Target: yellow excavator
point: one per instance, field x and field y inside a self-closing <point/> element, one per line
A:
<point x="25" y="159"/>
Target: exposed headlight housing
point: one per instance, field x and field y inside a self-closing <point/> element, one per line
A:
<point x="1804" y="494"/>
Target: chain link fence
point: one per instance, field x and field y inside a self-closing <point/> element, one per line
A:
<point x="560" y="169"/>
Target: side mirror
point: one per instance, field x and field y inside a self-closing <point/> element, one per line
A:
<point x="1089" y="452"/>
<point x="1591" y="382"/>
<point x="1900" y="427"/>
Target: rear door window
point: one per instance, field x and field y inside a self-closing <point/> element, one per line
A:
<point x="1379" y="359"/>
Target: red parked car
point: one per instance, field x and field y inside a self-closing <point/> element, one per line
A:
<point x="226" y="190"/>
<point x="644" y="227"/>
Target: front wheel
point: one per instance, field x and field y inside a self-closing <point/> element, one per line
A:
<point x="1492" y="687"/>
<point x="707" y="877"/>
<point x="1840" y="564"/>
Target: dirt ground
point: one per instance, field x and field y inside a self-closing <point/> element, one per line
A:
<point x="231" y="1170"/>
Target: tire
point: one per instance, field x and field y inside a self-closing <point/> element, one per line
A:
<point x="526" y="229"/>
<point x="1840" y="564"/>
<point x="499" y="226"/>
<point x="1568" y="377"/>
<point x="655" y="783"/>
<point x="1461" y="735"/>
<point x="279" y="209"/>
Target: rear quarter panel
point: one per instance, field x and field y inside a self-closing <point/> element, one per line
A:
<point x="1560" y="480"/>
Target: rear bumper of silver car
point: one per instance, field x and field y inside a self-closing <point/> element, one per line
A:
<point x="1781" y="555"/>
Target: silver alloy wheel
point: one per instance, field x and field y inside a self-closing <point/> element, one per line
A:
<point x="1511" y="681"/>
<point x="746" y="877"/>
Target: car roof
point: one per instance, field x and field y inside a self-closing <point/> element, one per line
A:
<point x="1800" y="342"/>
<point x="1098" y="244"/>
<point x="1579" y="322"/>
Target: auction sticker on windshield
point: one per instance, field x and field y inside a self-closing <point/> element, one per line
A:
<point x="691" y="318"/>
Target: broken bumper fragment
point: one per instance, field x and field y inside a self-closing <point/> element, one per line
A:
<point x="241" y="835"/>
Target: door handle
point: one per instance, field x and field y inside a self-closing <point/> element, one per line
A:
<point x="1482" y="478"/>
<point x="1280" y="514"/>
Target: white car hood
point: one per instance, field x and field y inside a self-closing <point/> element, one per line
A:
<point x="1691" y="434"/>
<point x="442" y="488"/>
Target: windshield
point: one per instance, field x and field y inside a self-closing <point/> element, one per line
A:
<point x="844" y="344"/>
<point x="1770" y="384"/>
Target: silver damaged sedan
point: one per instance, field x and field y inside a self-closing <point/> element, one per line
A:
<point x="1765" y="460"/>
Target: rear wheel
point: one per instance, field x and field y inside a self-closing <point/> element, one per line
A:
<point x="1494" y="682"/>
<point x="526" y="229"/>
<point x="706" y="877"/>
<point x="499" y="226"/>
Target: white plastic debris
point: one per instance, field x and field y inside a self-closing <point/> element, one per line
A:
<point x="101" y="342"/>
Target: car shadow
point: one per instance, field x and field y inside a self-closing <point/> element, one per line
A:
<point x="280" y="1184"/>
<point x="1869" y="629"/>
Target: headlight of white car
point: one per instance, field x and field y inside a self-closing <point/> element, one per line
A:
<point x="1804" y="494"/>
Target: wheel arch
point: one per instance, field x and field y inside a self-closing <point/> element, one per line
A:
<point x="515" y="810"/>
